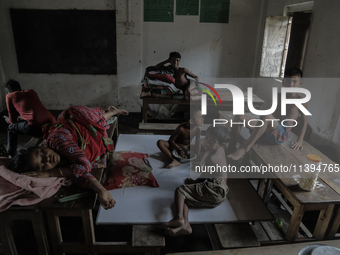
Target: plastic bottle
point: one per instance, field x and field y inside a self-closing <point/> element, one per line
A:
<point x="311" y="172"/>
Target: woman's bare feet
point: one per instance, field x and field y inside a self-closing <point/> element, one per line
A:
<point x="239" y="153"/>
<point x="116" y="111"/>
<point x="112" y="110"/>
<point x="174" y="163"/>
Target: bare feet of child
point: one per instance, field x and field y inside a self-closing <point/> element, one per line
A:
<point x="177" y="227"/>
<point x="239" y="153"/>
<point x="183" y="230"/>
<point x="174" y="223"/>
<point x="174" y="163"/>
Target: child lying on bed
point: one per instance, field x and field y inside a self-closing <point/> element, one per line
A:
<point x="202" y="192"/>
<point x="76" y="143"/>
<point x="181" y="138"/>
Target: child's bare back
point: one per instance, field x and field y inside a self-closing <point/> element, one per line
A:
<point x="180" y="78"/>
<point x="217" y="158"/>
<point x="183" y="137"/>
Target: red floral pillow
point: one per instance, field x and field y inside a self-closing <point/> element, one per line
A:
<point x="129" y="169"/>
<point x="162" y="77"/>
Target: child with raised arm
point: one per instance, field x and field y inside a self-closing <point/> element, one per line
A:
<point x="181" y="80"/>
<point x="272" y="131"/>
<point x="181" y="138"/>
<point x="202" y="192"/>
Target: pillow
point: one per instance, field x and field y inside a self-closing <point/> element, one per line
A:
<point x="128" y="169"/>
<point x="162" y="77"/>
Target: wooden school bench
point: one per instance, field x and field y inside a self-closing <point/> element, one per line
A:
<point x="324" y="198"/>
<point x="151" y="206"/>
<point x="226" y="98"/>
<point x="81" y="207"/>
<point x="144" y="239"/>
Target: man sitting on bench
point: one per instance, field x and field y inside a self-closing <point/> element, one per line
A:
<point x="24" y="105"/>
<point x="272" y="131"/>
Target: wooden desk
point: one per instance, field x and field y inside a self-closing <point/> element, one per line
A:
<point x="226" y="98"/>
<point x="321" y="199"/>
<point x="81" y="207"/>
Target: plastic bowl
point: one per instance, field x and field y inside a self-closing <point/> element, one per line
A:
<point x="181" y="159"/>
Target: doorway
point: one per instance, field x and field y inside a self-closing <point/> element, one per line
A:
<point x="298" y="39"/>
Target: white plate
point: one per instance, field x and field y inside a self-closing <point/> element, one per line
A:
<point x="326" y="250"/>
<point x="308" y="249"/>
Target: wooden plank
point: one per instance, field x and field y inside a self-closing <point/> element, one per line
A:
<point x="147" y="236"/>
<point x="259" y="232"/>
<point x="241" y="190"/>
<point x="236" y="235"/>
<point x="214" y="240"/>
<point x="272" y="231"/>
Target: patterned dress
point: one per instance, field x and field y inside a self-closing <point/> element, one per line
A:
<point x="80" y="137"/>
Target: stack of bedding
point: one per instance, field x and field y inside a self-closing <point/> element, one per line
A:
<point x="158" y="83"/>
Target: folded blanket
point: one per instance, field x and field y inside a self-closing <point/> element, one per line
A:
<point x="171" y="86"/>
<point x="17" y="189"/>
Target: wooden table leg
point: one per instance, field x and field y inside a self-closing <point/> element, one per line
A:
<point x="295" y="221"/>
<point x="260" y="187"/>
<point x="55" y="231"/>
<point x="144" y="111"/>
<point x="7" y="237"/>
<point x="323" y="222"/>
<point x="267" y="191"/>
<point x="40" y="232"/>
<point x="88" y="227"/>
<point x="334" y="224"/>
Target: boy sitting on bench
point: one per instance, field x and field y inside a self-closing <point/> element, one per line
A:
<point x="272" y="131"/>
<point x="181" y="138"/>
<point x="181" y="81"/>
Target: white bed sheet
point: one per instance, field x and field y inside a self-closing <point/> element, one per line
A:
<point x="148" y="205"/>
